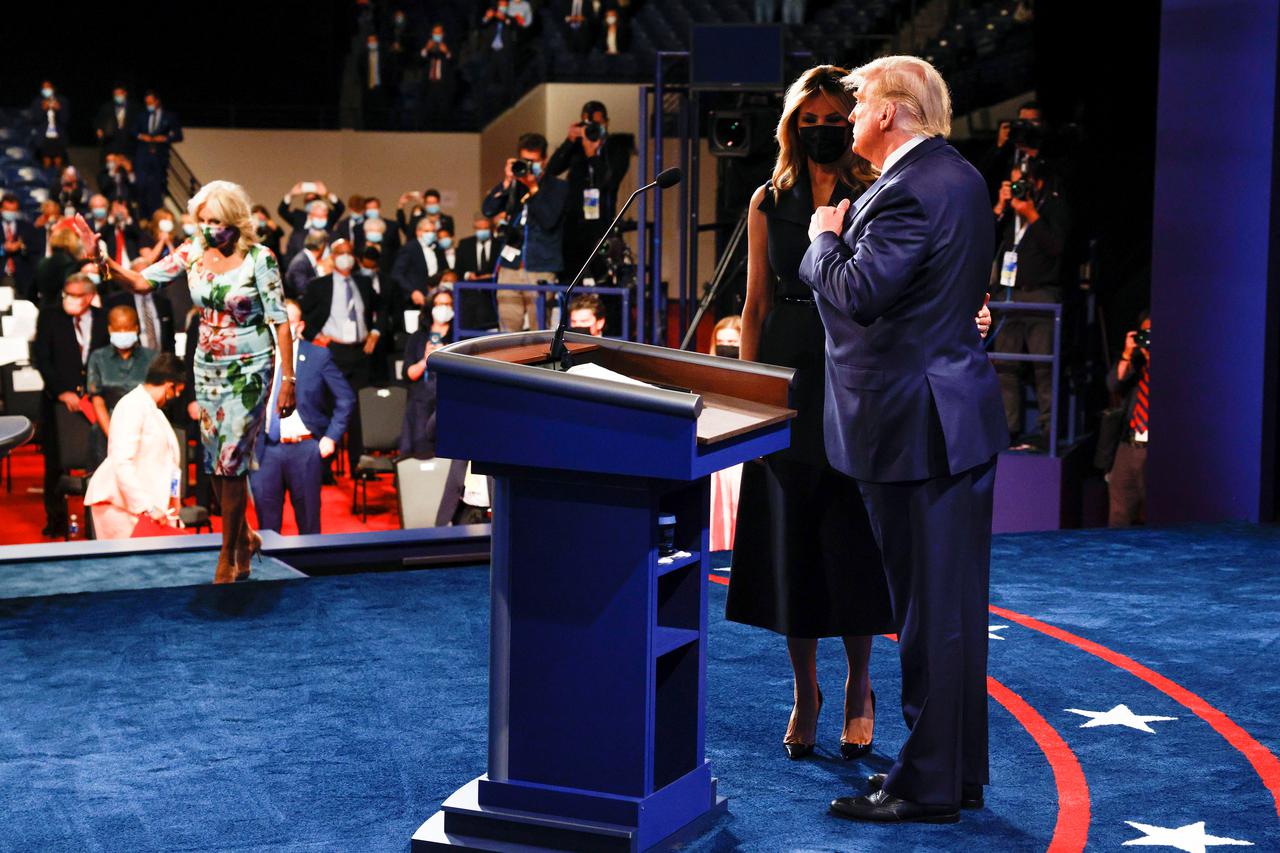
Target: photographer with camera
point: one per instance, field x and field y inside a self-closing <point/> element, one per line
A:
<point x="1017" y="142"/>
<point x="595" y="161"/>
<point x="1127" y="480"/>
<point x="1032" y="224"/>
<point x="535" y="205"/>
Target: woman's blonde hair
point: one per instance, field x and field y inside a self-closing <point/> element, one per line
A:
<point x="922" y="97"/>
<point x="733" y="321"/>
<point x="822" y="80"/>
<point x="64" y="238"/>
<point x="229" y="203"/>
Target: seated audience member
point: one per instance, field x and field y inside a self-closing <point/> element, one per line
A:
<point x="73" y="196"/>
<point x="535" y="204"/>
<point x="418" y="436"/>
<point x="155" y="313"/>
<point x="1032" y="227"/>
<point x="445" y="249"/>
<point x="116" y="369"/>
<point x="291" y="453"/>
<point x="311" y="262"/>
<point x="117" y="181"/>
<point x="726" y="483"/>
<point x="99" y="213"/>
<point x="417" y="267"/>
<point x="341" y="312"/>
<point x="52" y="271"/>
<point x="269" y="233"/>
<point x="20" y="246"/>
<point x="318" y="214"/>
<point x="121" y="234"/>
<point x="726" y="338"/>
<point x="586" y="315"/>
<point x="141" y="473"/>
<point x="68" y="329"/>
<point x="1127" y="480"/>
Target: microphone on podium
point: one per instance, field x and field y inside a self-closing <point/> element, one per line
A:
<point x="666" y="179"/>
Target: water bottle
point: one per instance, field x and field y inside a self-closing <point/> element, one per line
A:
<point x="73" y="527"/>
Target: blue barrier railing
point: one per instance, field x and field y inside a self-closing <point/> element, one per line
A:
<point x="1055" y="310"/>
<point x="543" y="291"/>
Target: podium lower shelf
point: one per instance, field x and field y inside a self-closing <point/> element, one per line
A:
<point x="463" y="823"/>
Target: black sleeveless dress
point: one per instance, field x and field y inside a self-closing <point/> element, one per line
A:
<point x="805" y="562"/>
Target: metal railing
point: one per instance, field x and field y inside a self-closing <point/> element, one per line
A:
<point x="543" y="291"/>
<point x="1055" y="359"/>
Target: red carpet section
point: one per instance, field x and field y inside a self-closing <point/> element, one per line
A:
<point x="22" y="504"/>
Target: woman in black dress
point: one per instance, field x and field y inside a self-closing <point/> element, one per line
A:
<point x="805" y="561"/>
<point x="435" y="327"/>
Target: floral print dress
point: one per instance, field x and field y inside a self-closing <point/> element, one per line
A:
<point x="235" y="356"/>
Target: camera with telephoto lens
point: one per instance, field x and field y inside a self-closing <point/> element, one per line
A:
<point x="1143" y="339"/>
<point x="592" y="130"/>
<point x="520" y="168"/>
<point x="1027" y="133"/>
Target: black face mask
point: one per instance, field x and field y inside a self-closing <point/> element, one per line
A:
<point x="825" y="143"/>
<point x="581" y="330"/>
<point x="726" y="351"/>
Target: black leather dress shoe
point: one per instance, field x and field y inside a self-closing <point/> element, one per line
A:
<point x="883" y="807"/>
<point x="970" y="795"/>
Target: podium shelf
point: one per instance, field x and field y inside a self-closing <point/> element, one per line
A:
<point x="724" y="417"/>
<point x="668" y="640"/>
<point x="677" y="563"/>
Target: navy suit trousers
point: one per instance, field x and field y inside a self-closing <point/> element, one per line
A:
<point x="935" y="538"/>
<point x="293" y="468"/>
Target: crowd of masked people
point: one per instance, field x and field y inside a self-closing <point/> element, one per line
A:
<point x="370" y="282"/>
<point x="413" y="63"/>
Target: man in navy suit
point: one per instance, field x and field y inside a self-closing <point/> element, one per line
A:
<point x="20" y="246"/>
<point x="914" y="415"/>
<point x="156" y="130"/>
<point x="291" y="452"/>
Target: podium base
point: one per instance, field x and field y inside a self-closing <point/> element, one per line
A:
<point x="463" y="824"/>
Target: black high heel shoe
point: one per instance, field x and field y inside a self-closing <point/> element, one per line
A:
<point x="850" y="751"/>
<point x="796" y="751"/>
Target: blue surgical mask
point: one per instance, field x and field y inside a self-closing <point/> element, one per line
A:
<point x="119" y="99"/>
<point x="94" y="277"/>
<point x="445" y="242"/>
<point x="437" y="37"/>
<point x="317" y="224"/>
<point x="432" y="209"/>
<point x="99" y="213"/>
<point x="483" y="234"/>
<point x="537" y="169"/>
<point x="151" y="108"/>
<point x="428" y="239"/>
<point x="374" y="237"/>
<point x="373" y="213"/>
<point x="124" y="340"/>
<point x="9" y="215"/>
<point x="46" y="92"/>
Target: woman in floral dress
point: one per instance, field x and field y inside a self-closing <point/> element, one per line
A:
<point x="236" y="284"/>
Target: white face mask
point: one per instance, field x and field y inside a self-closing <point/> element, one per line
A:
<point x="189" y="229"/>
<point x="344" y="263"/>
<point x="442" y="313"/>
<point x="165" y="226"/>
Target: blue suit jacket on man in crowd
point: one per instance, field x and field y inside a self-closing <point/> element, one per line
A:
<point x="912" y="265"/>
<point x="324" y="398"/>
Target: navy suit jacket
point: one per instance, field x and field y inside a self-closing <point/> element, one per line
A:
<point x="910" y="392"/>
<point x="324" y="398"/>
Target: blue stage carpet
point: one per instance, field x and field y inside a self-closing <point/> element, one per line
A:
<point x="336" y="713"/>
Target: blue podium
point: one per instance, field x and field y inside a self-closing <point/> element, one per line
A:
<point x="597" y="659"/>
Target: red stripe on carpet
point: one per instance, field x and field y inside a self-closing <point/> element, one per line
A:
<point x="1263" y="761"/>
<point x="1071" y="831"/>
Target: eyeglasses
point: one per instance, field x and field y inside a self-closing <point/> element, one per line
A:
<point x="66" y="295"/>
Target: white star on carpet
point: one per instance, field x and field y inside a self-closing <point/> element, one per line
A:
<point x="1190" y="838"/>
<point x="1120" y="715"/>
<point x="991" y="632"/>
